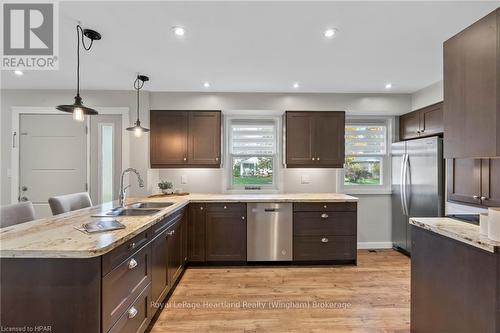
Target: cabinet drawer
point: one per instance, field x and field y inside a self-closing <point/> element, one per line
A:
<point x="324" y="207"/>
<point x="114" y="258"/>
<point x="312" y="248"/>
<point x="137" y="316"/>
<point x="226" y="207"/>
<point x="166" y="223"/>
<point x="123" y="284"/>
<point x="324" y="223"/>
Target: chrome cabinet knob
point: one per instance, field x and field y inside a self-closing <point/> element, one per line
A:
<point x="216" y="158"/>
<point x="171" y="233"/>
<point x="242" y="217"/>
<point x="484" y="198"/>
<point x="325" y="206"/>
<point x="317" y="158"/>
<point x="313" y="159"/>
<point x="132" y="312"/>
<point x="132" y="264"/>
<point x="324" y="240"/>
<point x="185" y="159"/>
<point x="201" y="208"/>
<point x="475" y="197"/>
<point x="225" y="207"/>
<point x="324" y="216"/>
<point x="131" y="246"/>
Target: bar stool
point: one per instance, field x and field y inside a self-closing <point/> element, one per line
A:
<point x="69" y="202"/>
<point x="16" y="213"/>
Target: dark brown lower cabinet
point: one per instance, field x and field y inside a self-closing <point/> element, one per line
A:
<point x="196" y="232"/>
<point x="324" y="232"/>
<point x="226" y="232"/>
<point x="454" y="286"/>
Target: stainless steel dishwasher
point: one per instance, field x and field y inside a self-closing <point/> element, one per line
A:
<point x="269" y="231"/>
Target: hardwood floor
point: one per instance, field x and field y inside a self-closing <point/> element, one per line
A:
<point x="372" y="297"/>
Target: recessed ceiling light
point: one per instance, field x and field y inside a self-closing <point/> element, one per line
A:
<point x="206" y="84"/>
<point x="388" y="85"/>
<point x="329" y="33"/>
<point x="18" y="72"/>
<point x="179" y="31"/>
<point x="296" y="85"/>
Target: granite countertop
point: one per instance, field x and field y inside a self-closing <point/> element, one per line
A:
<point x="458" y="230"/>
<point x="56" y="237"/>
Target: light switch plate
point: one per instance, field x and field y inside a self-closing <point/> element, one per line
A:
<point x="305" y="179"/>
<point x="184" y="179"/>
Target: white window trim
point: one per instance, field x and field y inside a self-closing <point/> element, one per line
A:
<point x="385" y="188"/>
<point x="228" y="157"/>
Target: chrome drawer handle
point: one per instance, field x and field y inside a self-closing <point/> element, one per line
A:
<point x="324" y="240"/>
<point x="171" y="233"/>
<point x="132" y="312"/>
<point x="132" y="264"/>
<point x="324" y="216"/>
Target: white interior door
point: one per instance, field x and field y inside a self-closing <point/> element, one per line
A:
<point x="52" y="158"/>
<point x="105" y="157"/>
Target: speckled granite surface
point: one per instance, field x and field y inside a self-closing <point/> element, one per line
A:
<point x="56" y="237"/>
<point x="457" y="230"/>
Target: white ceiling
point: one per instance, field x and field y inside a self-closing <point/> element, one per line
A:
<point x="257" y="46"/>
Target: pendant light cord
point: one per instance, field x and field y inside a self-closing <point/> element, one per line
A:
<point x="79" y="34"/>
<point x="138" y="84"/>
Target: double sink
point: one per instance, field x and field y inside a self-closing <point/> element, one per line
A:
<point x="136" y="209"/>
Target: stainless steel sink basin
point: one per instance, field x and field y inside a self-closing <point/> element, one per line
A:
<point x="132" y="211"/>
<point x="150" y="205"/>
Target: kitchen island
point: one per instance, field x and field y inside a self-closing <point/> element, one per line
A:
<point x="58" y="277"/>
<point x="455" y="278"/>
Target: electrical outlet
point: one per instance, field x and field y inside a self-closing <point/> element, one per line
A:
<point x="184" y="179"/>
<point x="305" y="179"/>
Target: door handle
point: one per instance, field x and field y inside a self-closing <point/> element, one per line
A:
<point x="14" y="139"/>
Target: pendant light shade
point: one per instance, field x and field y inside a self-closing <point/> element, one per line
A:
<point x="77" y="108"/>
<point x="137" y="128"/>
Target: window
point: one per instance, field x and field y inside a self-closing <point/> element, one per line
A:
<point x="366" y="161"/>
<point x="252" y="153"/>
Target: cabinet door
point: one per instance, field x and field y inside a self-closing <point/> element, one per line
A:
<point x="196" y="233"/>
<point x="204" y="138"/>
<point x="480" y="42"/>
<point x="464" y="180"/>
<point x="431" y="120"/>
<point x="174" y="252"/>
<point x="490" y="176"/>
<point x="226" y="236"/>
<point x="329" y="139"/>
<point x="453" y="106"/>
<point x="168" y="138"/>
<point x="159" y="270"/>
<point x="299" y="138"/>
<point x="409" y="126"/>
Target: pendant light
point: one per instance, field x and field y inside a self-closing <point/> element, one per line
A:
<point x="78" y="109"/>
<point x="137" y="128"/>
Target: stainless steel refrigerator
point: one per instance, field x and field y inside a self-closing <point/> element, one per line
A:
<point x="417" y="185"/>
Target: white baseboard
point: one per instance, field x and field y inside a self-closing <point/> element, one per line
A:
<point x="374" y="245"/>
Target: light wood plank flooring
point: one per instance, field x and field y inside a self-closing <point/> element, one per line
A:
<point x="372" y="297"/>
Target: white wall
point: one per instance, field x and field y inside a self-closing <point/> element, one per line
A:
<point x="427" y="96"/>
<point x="374" y="217"/>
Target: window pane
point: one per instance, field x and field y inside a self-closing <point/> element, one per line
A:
<point x="365" y="140"/>
<point x="258" y="138"/>
<point x="106" y="166"/>
<point x="363" y="170"/>
<point x="252" y="171"/>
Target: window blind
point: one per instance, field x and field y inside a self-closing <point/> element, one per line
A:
<point x="253" y="138"/>
<point x="365" y="139"/>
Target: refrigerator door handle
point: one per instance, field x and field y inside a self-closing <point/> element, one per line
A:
<point x="405" y="178"/>
<point x="401" y="184"/>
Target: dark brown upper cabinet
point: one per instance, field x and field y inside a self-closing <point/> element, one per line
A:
<point x="474" y="181"/>
<point x="424" y="122"/>
<point x="472" y="90"/>
<point x="315" y="139"/>
<point x="185" y="139"/>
